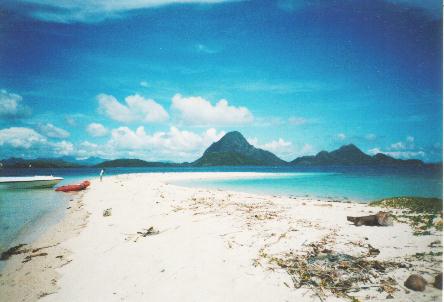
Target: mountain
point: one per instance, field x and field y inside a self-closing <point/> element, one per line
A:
<point x="351" y="155"/>
<point x="234" y="150"/>
<point x="84" y="161"/>
<point x="128" y="162"/>
<point x="19" y="163"/>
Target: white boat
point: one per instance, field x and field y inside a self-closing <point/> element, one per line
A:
<point x="29" y="182"/>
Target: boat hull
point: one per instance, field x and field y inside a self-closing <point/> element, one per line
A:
<point x="35" y="184"/>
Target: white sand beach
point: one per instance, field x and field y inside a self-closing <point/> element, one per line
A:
<point x="211" y="245"/>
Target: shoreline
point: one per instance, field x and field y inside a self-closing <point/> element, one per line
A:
<point x="242" y="230"/>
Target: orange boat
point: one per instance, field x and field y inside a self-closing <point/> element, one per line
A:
<point x="71" y="188"/>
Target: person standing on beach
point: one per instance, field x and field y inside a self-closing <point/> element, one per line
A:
<point x="101" y="174"/>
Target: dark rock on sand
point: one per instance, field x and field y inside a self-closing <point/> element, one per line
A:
<point x="379" y="219"/>
<point x="416" y="283"/>
<point x="438" y="281"/>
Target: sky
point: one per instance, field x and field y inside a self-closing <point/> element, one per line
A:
<point x="163" y="79"/>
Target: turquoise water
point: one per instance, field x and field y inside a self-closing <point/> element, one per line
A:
<point x="26" y="214"/>
<point x="341" y="186"/>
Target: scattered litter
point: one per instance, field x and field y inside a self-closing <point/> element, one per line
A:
<point x="145" y="233"/>
<point x="29" y="257"/>
<point x="15" y="250"/>
<point x="148" y="232"/>
<point x="107" y="212"/>
<point x="325" y="271"/>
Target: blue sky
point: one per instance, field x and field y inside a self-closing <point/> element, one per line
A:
<point x="162" y="79"/>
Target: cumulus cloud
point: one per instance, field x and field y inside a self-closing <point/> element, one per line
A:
<point x="279" y="145"/>
<point x="52" y="131"/>
<point x="144" y="84"/>
<point x="341" y="136"/>
<point x="198" y="111"/>
<point x="62" y="148"/>
<point x="406" y="149"/>
<point x="370" y="136"/>
<point x="282" y="148"/>
<point x="20" y="137"/>
<point x="94" y="10"/>
<point x="201" y="48"/>
<point x="11" y="106"/>
<point x="297" y="120"/>
<point x="71" y="120"/>
<point x="172" y="144"/>
<point x="97" y="129"/>
<point x="137" y="109"/>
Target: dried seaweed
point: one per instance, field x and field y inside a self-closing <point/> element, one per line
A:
<point x="327" y="272"/>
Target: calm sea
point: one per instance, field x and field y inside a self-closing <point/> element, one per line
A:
<point x="26" y="214"/>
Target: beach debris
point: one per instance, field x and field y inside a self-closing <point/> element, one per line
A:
<point x="148" y="232"/>
<point x="438" y="281"/>
<point x="29" y="257"/>
<point x="15" y="250"/>
<point x="107" y="212"/>
<point x="422" y="214"/>
<point x="373" y="251"/>
<point x="325" y="271"/>
<point x="379" y="219"/>
<point x="416" y="283"/>
<point x="144" y="233"/>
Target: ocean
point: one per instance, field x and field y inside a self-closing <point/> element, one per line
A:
<point x="25" y="214"/>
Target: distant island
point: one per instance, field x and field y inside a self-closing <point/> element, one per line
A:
<point x="231" y="150"/>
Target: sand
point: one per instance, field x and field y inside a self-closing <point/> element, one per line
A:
<point x="211" y="245"/>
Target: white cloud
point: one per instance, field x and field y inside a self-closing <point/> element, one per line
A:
<point x="52" y="131"/>
<point x="397" y="146"/>
<point x="199" y="111"/>
<point x="282" y="148"/>
<point x="374" y="151"/>
<point x="408" y="144"/>
<point x="410" y="139"/>
<point x="279" y="145"/>
<point x="144" y="84"/>
<point x="96" y="129"/>
<point x="11" y="105"/>
<point x="26" y="142"/>
<point x="63" y="148"/>
<point x="94" y="10"/>
<point x="297" y="120"/>
<point x="341" y="136"/>
<point x="404" y="150"/>
<point x="20" y="137"/>
<point x="71" y="120"/>
<point x="370" y="137"/>
<point x="201" y="48"/>
<point x="176" y="145"/>
<point x="306" y="149"/>
<point x="137" y="109"/>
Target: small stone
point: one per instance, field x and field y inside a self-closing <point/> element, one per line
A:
<point x="416" y="283"/>
<point x="438" y="281"/>
<point x="389" y="296"/>
<point x="107" y="212"/>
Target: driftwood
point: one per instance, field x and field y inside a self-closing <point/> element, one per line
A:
<point x="379" y="219"/>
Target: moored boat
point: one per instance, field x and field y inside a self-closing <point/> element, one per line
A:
<point x="29" y="182"/>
